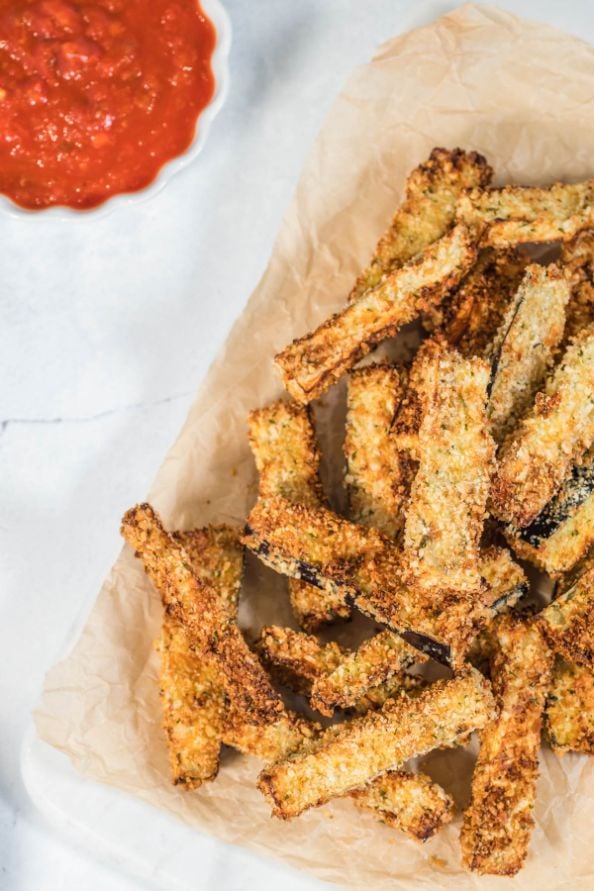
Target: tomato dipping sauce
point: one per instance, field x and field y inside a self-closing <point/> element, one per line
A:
<point x="96" y="95"/>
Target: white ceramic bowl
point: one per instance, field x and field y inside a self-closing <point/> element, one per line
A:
<point x="220" y="68"/>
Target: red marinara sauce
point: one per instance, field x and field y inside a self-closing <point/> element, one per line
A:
<point x="96" y="95"/>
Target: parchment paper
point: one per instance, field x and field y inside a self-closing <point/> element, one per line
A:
<point x="522" y="94"/>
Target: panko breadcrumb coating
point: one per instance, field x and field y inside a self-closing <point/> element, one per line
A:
<point x="577" y="258"/>
<point x="329" y="551"/>
<point x="447" y="504"/>
<point x="347" y="756"/>
<point x="311" y="364"/>
<point x="498" y="823"/>
<point x="569" y="711"/>
<point x="378" y="473"/>
<point x="568" y="621"/>
<point x="524" y="346"/>
<point x="524" y="214"/>
<point x="552" y="437"/>
<point x="410" y="802"/>
<point x="426" y="213"/>
<point x="283" y="443"/>
<point x="563" y="532"/>
<point x="194" y="602"/>
<point x="192" y="695"/>
<point x="299" y="660"/>
<point x="468" y="318"/>
<point x="375" y="661"/>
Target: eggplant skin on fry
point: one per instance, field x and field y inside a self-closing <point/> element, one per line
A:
<point x="498" y="824"/>
<point x="427" y="211"/>
<point x="333" y="553"/>
<point x="568" y="622"/>
<point x="523" y="214"/>
<point x="283" y="443"/>
<point x="470" y="316"/>
<point x="311" y="364"/>
<point x="563" y="532"/>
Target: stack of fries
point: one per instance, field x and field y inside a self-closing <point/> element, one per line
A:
<point x="484" y="442"/>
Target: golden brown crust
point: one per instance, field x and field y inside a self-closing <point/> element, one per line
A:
<point x="374" y="662"/>
<point x="506" y="581"/>
<point x="311" y="364"/>
<point x="297" y="659"/>
<point x="366" y="566"/>
<point x="568" y="622"/>
<point x="427" y="211"/>
<point x="550" y="439"/>
<point x="420" y="388"/>
<point x="577" y="258"/>
<point x="410" y="802"/>
<point x="525" y="344"/>
<point x="522" y="214"/>
<point x="563" y="532"/>
<point x="470" y="315"/>
<point x="378" y="474"/>
<point x="498" y="823"/>
<point x="283" y="442"/>
<point x="194" y="602"/>
<point x="193" y="705"/>
<point x="348" y="756"/>
<point x="447" y="504"/>
<point x="569" y="711"/>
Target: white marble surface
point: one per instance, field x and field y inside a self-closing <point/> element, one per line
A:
<point x="106" y="330"/>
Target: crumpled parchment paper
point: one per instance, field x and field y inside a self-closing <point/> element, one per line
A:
<point x="523" y="95"/>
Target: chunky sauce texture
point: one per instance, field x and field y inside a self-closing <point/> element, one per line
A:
<point x="96" y="95"/>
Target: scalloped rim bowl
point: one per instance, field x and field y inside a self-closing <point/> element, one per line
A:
<point x="220" y="69"/>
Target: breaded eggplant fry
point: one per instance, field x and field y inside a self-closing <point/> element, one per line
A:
<point x="577" y="257"/>
<point x="374" y="662"/>
<point x="378" y="474"/>
<point x="297" y="659"/>
<point x="470" y="315"/>
<point x="283" y="442"/>
<point x="350" y="755"/>
<point x="427" y="211"/>
<point x="569" y="710"/>
<point x="498" y="823"/>
<point x="563" y="532"/>
<point x="329" y="551"/>
<point x="550" y="439"/>
<point x="310" y="365"/>
<point x="578" y="254"/>
<point x="568" y="622"/>
<point x="193" y="704"/>
<point x="410" y="802"/>
<point x="192" y="694"/>
<point x="506" y="580"/>
<point x="216" y="557"/>
<point x="194" y="602"/>
<point x="420" y="387"/>
<point x="522" y="214"/>
<point x="269" y="741"/>
<point x="447" y="503"/>
<point x="525" y="345"/>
